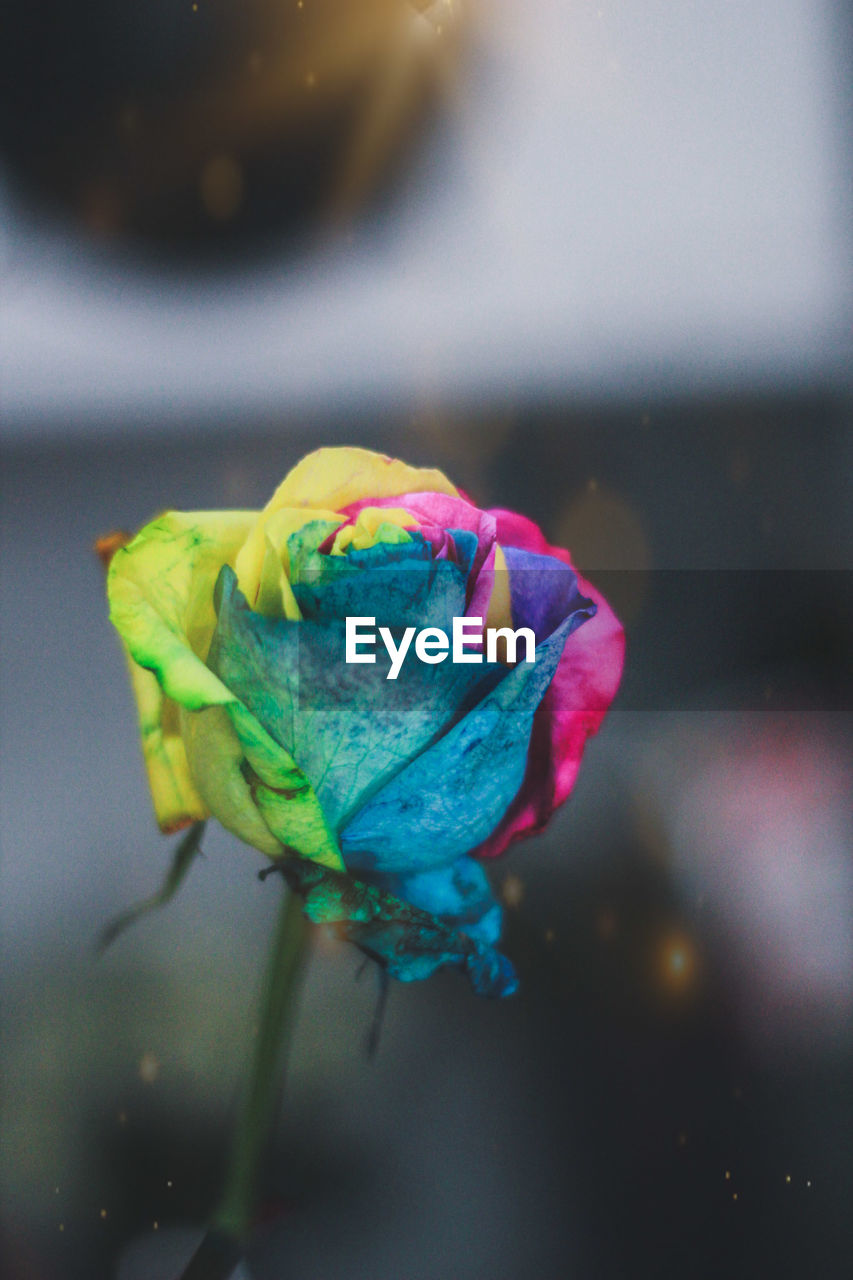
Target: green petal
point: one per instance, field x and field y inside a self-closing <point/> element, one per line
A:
<point x="253" y="787"/>
<point x="161" y="601"/>
<point x="215" y="756"/>
<point x="282" y="793"/>
<point x="161" y="598"/>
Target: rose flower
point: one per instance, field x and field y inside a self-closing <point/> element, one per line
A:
<point x="378" y="798"/>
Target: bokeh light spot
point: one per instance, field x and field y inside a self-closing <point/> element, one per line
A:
<point x="677" y="962"/>
<point x="149" y="1067"/>
<point x="512" y="891"/>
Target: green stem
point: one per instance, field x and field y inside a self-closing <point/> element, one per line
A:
<point x="221" y="1248"/>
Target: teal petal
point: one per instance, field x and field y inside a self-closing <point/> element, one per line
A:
<point x="349" y="728"/>
<point x="453" y="795"/>
<point x="398" y="584"/>
<point x="466" y="544"/>
<point x="306" y="541"/>
<point x="408" y="943"/>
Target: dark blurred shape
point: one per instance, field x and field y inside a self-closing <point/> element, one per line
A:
<point x="201" y="122"/>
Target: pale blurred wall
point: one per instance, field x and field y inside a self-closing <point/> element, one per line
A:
<point x="625" y="198"/>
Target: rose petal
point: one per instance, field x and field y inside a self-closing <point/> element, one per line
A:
<point x="349" y="728"/>
<point x="334" y="479"/>
<point x="583" y="688"/>
<point x="160" y="610"/>
<point x="264" y="556"/>
<point x="450" y="797"/>
<point x="543" y="591"/>
<point x="459" y="894"/>
<point x="161" y="603"/>
<point x="449" y="512"/>
<point x="397" y="584"/>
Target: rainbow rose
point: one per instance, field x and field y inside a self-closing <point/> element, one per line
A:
<point x="378" y="798"/>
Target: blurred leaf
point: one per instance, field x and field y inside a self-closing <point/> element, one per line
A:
<point x="183" y="858"/>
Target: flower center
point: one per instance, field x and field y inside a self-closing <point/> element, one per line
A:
<point x="372" y="525"/>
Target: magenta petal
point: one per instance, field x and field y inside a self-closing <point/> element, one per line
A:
<point x="439" y="539"/>
<point x="581" y="691"/>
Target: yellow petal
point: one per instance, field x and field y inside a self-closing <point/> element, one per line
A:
<point x="337" y="477"/>
<point x="160" y="588"/>
<point x="264" y="550"/>
<point x="372" y="525"/>
<point x="499" y="613"/>
<point x="323" y="483"/>
<point x="274" y="597"/>
<point x="177" y="803"/>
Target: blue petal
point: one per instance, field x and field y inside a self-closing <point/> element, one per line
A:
<point x="409" y="943"/>
<point x="460" y="894"/>
<point x="453" y="795"/>
<point x="348" y="728"/>
<point x="544" y="591"/>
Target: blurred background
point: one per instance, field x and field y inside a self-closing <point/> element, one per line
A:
<point x="593" y="261"/>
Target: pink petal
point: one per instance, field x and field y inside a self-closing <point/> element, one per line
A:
<point x="574" y="706"/>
